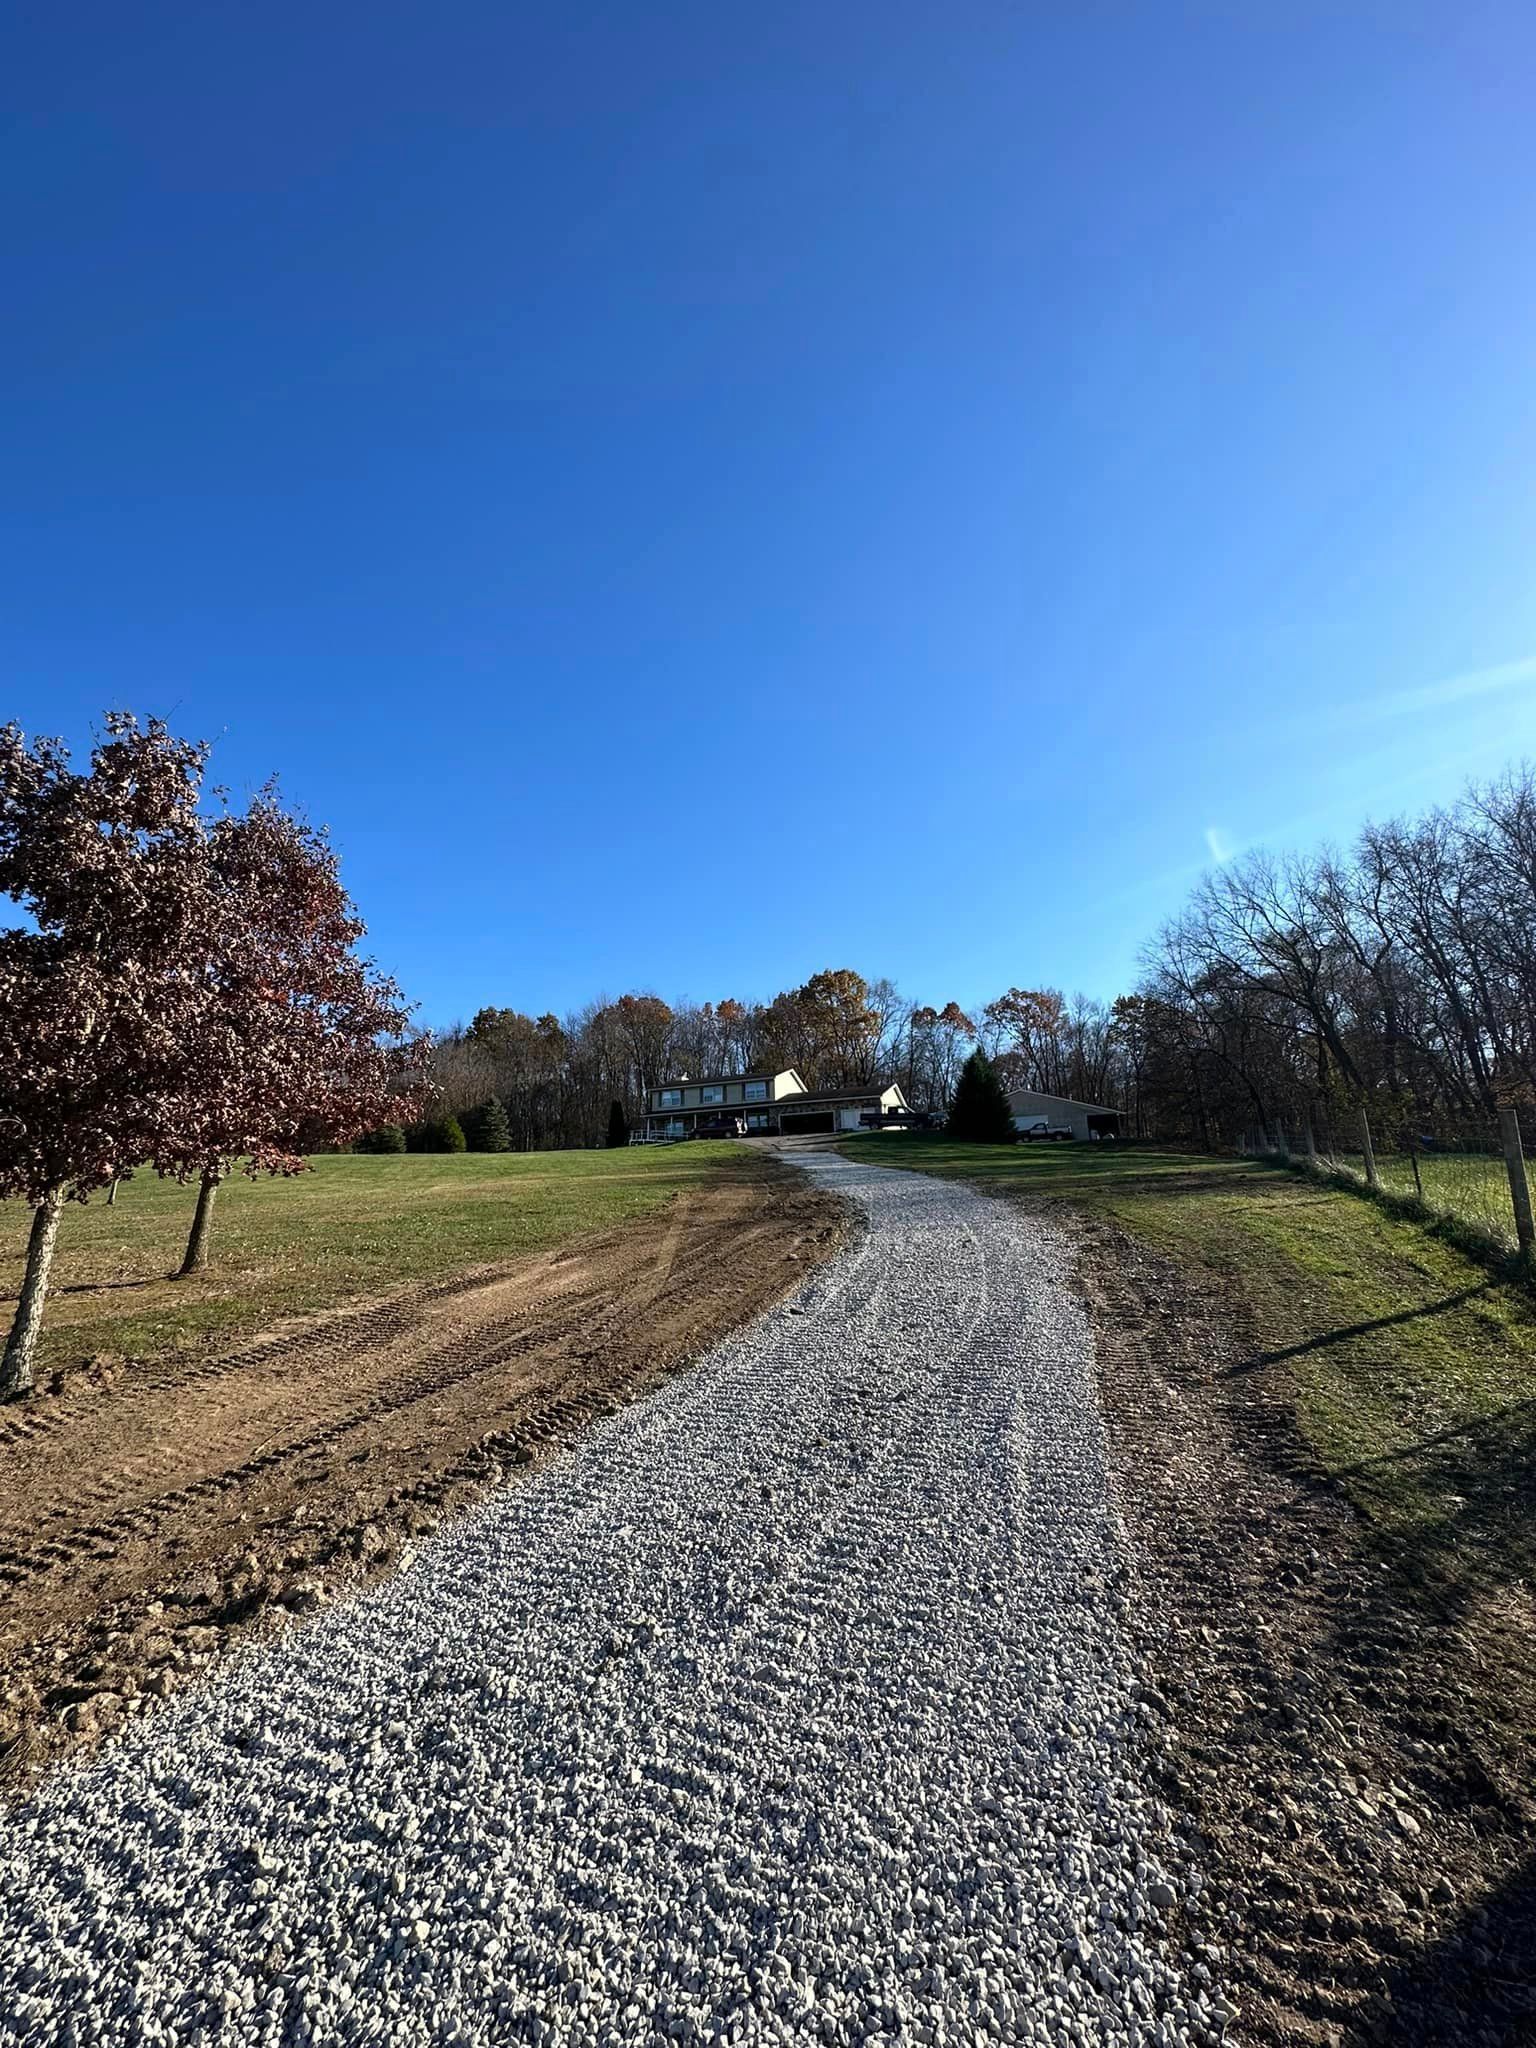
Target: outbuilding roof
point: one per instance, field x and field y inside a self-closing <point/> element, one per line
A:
<point x="1066" y="1101"/>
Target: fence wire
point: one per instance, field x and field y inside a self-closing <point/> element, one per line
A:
<point x="1457" y="1168"/>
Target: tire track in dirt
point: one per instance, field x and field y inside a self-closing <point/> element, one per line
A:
<point x="793" y="1706"/>
<point x="146" y="1524"/>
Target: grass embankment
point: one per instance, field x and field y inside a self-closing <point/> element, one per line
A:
<point x="350" y="1227"/>
<point x="1414" y="1368"/>
<point x="1469" y="1189"/>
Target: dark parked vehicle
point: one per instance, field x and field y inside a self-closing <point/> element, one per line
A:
<point x="1044" y="1133"/>
<point x="720" y="1127"/>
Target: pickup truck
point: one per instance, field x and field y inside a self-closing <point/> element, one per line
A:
<point x="1042" y="1132"/>
<point x="719" y="1127"/>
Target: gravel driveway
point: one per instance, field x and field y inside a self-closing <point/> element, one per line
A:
<point x="792" y="1706"/>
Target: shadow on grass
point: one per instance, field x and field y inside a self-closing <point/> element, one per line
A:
<point x="94" y="1287"/>
<point x="111" y="1286"/>
<point x="1481" y="1478"/>
<point x="1346" y="1331"/>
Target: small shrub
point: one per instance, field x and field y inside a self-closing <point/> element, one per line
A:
<point x="437" y="1134"/>
<point x="387" y="1138"/>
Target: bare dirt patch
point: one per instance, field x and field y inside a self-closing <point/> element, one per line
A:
<point x="1357" y="1758"/>
<point x="151" y="1518"/>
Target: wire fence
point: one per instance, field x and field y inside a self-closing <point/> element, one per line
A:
<point x="1471" y="1171"/>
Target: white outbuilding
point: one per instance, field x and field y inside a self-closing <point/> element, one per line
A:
<point x="1061" y="1115"/>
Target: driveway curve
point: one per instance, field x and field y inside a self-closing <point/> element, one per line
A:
<point x="792" y="1706"/>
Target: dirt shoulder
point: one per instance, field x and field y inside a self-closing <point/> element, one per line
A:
<point x="1357" y="1759"/>
<point x="151" y="1519"/>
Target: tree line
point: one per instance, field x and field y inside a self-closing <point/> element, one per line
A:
<point x="1399" y="973"/>
<point x="558" y="1079"/>
<point x="185" y="992"/>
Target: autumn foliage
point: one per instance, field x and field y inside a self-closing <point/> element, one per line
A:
<point x="294" y="1043"/>
<point x="186" y="991"/>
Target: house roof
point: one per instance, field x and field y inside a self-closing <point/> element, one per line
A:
<point x="870" y="1094"/>
<point x="794" y="1104"/>
<point x="719" y="1080"/>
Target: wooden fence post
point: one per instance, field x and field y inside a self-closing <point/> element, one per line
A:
<point x="1519" y="1186"/>
<point x="1372" y="1178"/>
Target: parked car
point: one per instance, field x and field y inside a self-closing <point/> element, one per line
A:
<point x="720" y="1127"/>
<point x="1047" y="1133"/>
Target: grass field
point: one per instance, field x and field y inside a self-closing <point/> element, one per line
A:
<point x="1414" y="1368"/>
<point x="352" y="1226"/>
<point x="1470" y="1186"/>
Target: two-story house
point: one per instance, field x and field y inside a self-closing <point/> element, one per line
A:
<point x="764" y="1102"/>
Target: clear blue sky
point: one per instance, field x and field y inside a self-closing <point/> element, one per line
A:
<point x="694" y="494"/>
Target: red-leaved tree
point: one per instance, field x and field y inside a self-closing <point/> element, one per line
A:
<point x="297" y="1041"/>
<point x="99" y="990"/>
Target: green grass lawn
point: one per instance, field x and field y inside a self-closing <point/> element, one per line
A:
<point x="350" y="1227"/>
<point x="1471" y="1186"/>
<point x="1414" y="1368"/>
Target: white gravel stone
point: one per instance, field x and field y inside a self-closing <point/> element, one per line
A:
<point x="792" y="1706"/>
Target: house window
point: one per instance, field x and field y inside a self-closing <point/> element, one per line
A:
<point x="755" y="1091"/>
<point x="676" y="1128"/>
<point x="711" y="1095"/>
<point x="757" y="1120"/>
<point x="671" y="1098"/>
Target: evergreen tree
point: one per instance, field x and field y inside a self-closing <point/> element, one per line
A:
<point x="980" y="1113"/>
<point x="486" y="1128"/>
<point x="387" y="1138"/>
<point x="618" y="1125"/>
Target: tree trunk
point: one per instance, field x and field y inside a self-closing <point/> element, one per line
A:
<point x="1372" y="1179"/>
<point x="16" y="1368"/>
<point x="196" y="1260"/>
<point x="1519" y="1186"/>
<point x="112" y="1192"/>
